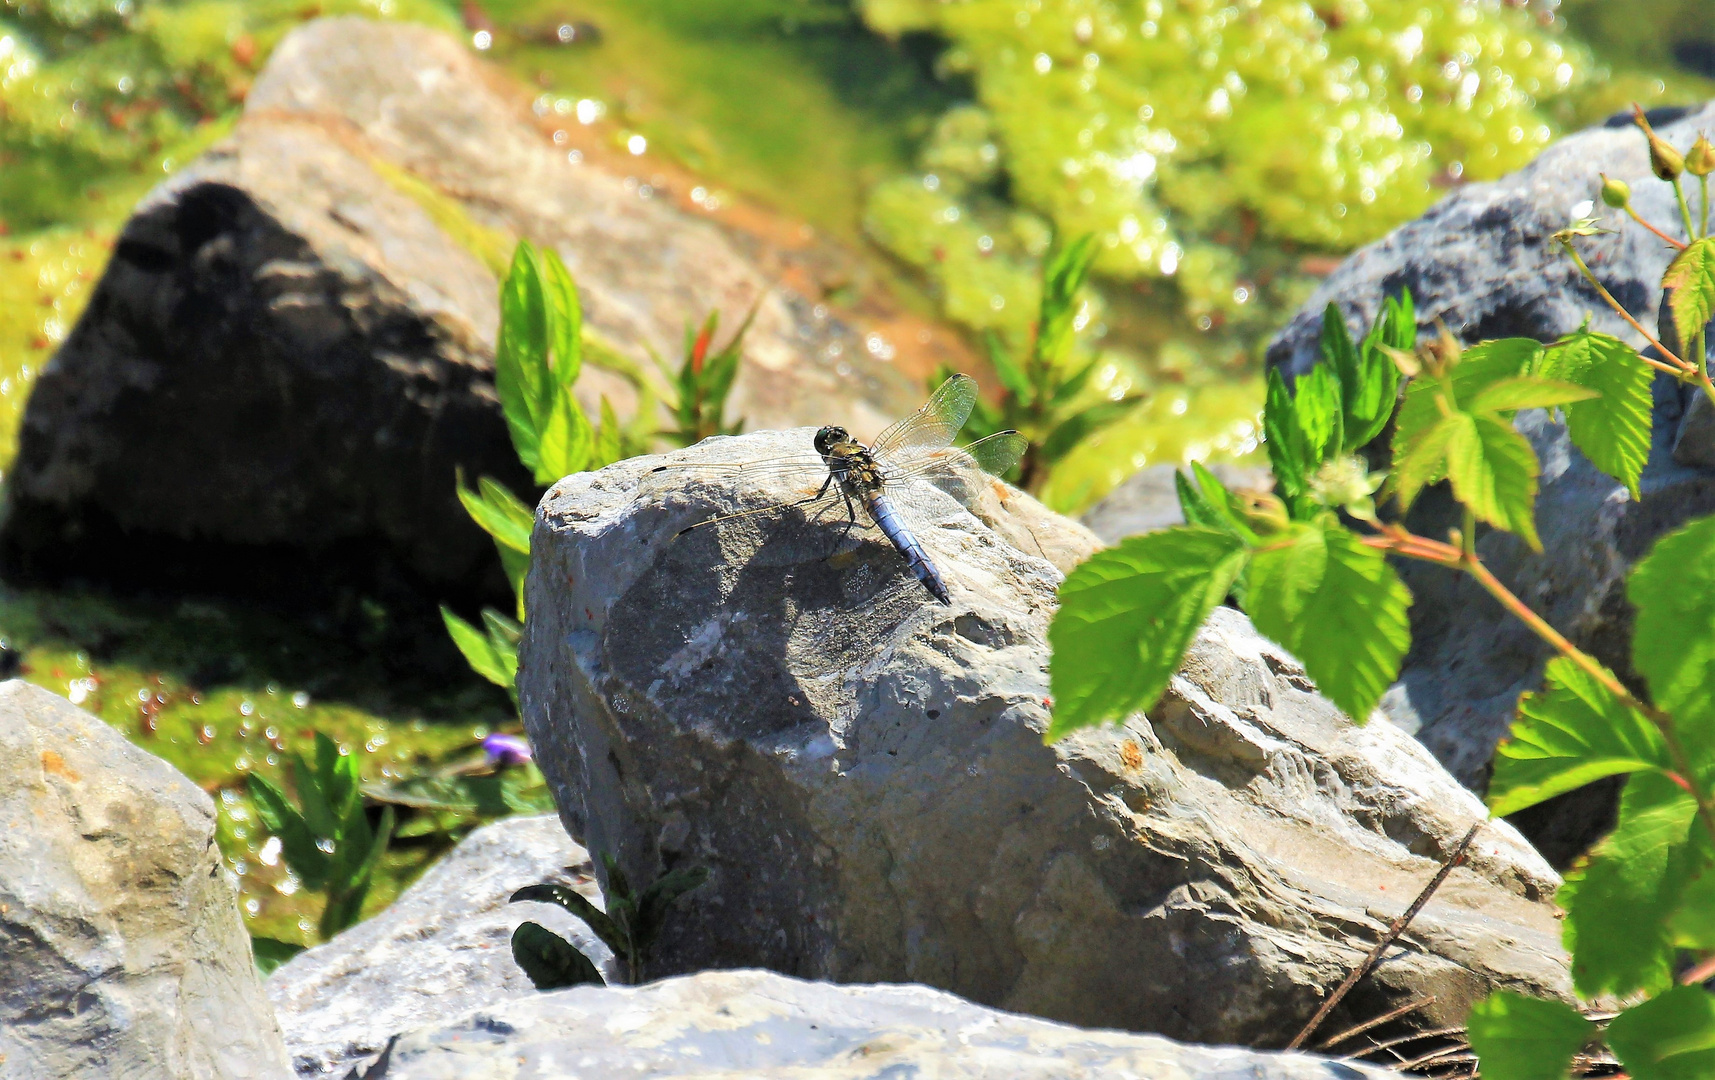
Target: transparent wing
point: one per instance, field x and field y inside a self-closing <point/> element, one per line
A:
<point x="934" y="425"/>
<point x="996" y="454"/>
<point x="794" y="472"/>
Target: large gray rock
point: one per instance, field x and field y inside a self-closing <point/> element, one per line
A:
<point x="863" y="772"/>
<point x="122" y="953"/>
<point x="441" y="949"/>
<point x="292" y="347"/>
<point x="1480" y="259"/>
<point x="756" y="1025"/>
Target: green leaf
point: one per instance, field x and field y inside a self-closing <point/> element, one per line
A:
<point x="1527" y="392"/>
<point x="1337" y="605"/>
<point x="607" y="444"/>
<point x="1571" y="733"/>
<point x="1619" y="902"/>
<point x="516" y="565"/>
<point x="1126" y="617"/>
<point x="297" y="842"/>
<point x="1210" y="504"/>
<point x="346" y="895"/>
<point x="500" y="513"/>
<point x="1614" y="430"/>
<point x="503" y="638"/>
<point x="551" y="962"/>
<point x="521" y="353"/>
<point x="1670" y="1037"/>
<point x="1489" y="362"/>
<point x="1077" y="427"/>
<point x="1420" y="440"/>
<point x="597" y="920"/>
<point x="1494" y="471"/>
<point x="1006" y="369"/>
<point x="657" y="901"/>
<point x="1196" y="508"/>
<point x="1673" y="640"/>
<point x="1288" y="451"/>
<point x="1370" y="391"/>
<point x="1397" y="323"/>
<point x="567" y="440"/>
<point x="269" y="953"/>
<point x="565" y="313"/>
<point x="1062" y="276"/>
<point x="1074" y="384"/>
<point x="479" y="650"/>
<point x="1691" y="276"/>
<point x="1693" y="925"/>
<point x="1317" y="403"/>
<point x="1522" y="1038"/>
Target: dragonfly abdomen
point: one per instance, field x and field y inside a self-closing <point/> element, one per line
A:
<point x="908" y="545"/>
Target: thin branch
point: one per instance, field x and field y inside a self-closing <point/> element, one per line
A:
<point x="1669" y="354"/>
<point x="1438" y="1033"/>
<point x="1391" y="1014"/>
<point x="1387" y="940"/>
<point x="1447" y="1055"/>
<point x="1699" y="973"/>
<point x="1680" y="244"/>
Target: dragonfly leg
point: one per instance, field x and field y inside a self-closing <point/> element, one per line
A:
<point x="851" y="522"/>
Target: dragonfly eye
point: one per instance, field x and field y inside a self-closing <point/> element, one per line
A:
<point x="829" y="437"/>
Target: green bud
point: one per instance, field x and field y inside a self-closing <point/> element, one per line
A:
<point x="1616" y="193"/>
<point x="1666" y="162"/>
<point x="1701" y="160"/>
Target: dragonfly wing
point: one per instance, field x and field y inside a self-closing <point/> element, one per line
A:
<point x="995" y="454"/>
<point x="790" y="473"/>
<point x="933" y="426"/>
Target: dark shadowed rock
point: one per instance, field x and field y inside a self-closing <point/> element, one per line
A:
<point x="1481" y="260"/>
<point x="122" y="953"/>
<point x="292" y="348"/>
<point x="756" y="1025"/>
<point x="441" y="949"/>
<point x="863" y="772"/>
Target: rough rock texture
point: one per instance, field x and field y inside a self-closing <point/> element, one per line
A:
<point x="292" y="345"/>
<point x="441" y="949"/>
<point x="863" y="772"/>
<point x="740" y="1025"/>
<point x="122" y="953"/>
<point x="1480" y="259"/>
<point x="1148" y="500"/>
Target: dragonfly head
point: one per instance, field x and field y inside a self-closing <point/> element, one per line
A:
<point x="830" y="437"/>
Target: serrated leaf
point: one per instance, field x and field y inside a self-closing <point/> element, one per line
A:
<point x="1619" y="902"/>
<point x="1196" y="508"/>
<point x="1691" y="276"/>
<point x="1227" y="507"/>
<point x="1317" y="402"/>
<point x="1337" y="605"/>
<point x="1614" y="430"/>
<point x="478" y="650"/>
<point x="1673" y="639"/>
<point x="1522" y="1038"/>
<point x="1571" y="733"/>
<point x="1126" y="617"/>
<point x="1370" y="390"/>
<point x="1493" y="471"/>
<point x="1488" y="362"/>
<point x="1288" y="451"/>
<point x="551" y="962"/>
<point x="1670" y="1037"/>
<point x="1420" y="441"/>
<point x="1693" y="923"/>
<point x="1527" y="392"/>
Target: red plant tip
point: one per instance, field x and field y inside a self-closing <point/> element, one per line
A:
<point x="700" y="350"/>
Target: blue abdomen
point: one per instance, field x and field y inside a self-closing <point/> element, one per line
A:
<point x="908" y="546"/>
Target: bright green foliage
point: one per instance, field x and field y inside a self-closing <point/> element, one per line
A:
<point x="1571" y="733"/>
<point x="1210" y="504"/>
<point x="551" y="962"/>
<point x="1520" y="1038"/>
<point x="1289" y="450"/>
<point x="1367" y="376"/>
<point x="492" y="651"/>
<point x="632" y="922"/>
<point x="1612" y="429"/>
<point x="326" y="839"/>
<point x="1493" y="471"/>
<point x="1673" y="640"/>
<point x="1691" y="276"/>
<point x="1618" y="903"/>
<point x="1670" y="1037"/>
<point x="1046" y="395"/>
<point x="537" y="359"/>
<point x="704" y="382"/>
<point x="1126" y="617"/>
<point x="1337" y="605"/>
<point x="508" y="520"/>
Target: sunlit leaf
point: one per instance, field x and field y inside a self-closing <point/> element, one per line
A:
<point x="1673" y="639"/>
<point x="1524" y="1038"/>
<point x="1289" y="453"/>
<point x="1493" y="471"/>
<point x="1527" y="392"/>
<point x="1317" y="403"/>
<point x="1670" y="1037"/>
<point x="1691" y="276"/>
<point x="1126" y="617"/>
<point x="478" y="649"/>
<point x="501" y="514"/>
<point x="1614" y="430"/>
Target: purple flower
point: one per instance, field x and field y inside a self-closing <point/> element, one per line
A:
<point x="505" y="751"/>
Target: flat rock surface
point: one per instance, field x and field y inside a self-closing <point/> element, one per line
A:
<point x="756" y="1024"/>
<point x="292" y="347"/>
<point x="122" y="953"/>
<point x="863" y="772"/>
<point x="442" y="948"/>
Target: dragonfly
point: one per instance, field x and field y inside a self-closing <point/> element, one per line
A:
<point x="882" y="485"/>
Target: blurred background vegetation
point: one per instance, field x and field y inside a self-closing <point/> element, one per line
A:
<point x="1224" y="154"/>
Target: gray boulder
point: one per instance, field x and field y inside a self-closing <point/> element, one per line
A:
<point x="292" y="347"/>
<point x="441" y="949"/>
<point x="1480" y="259"/>
<point x="756" y="1025"/>
<point x="863" y="772"/>
<point x="122" y="953"/>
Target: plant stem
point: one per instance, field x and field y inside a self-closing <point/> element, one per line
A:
<point x="1674" y="241"/>
<point x="1684" y="209"/>
<point x="1682" y="369"/>
<point x="1468" y="535"/>
<point x="1703" y="182"/>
